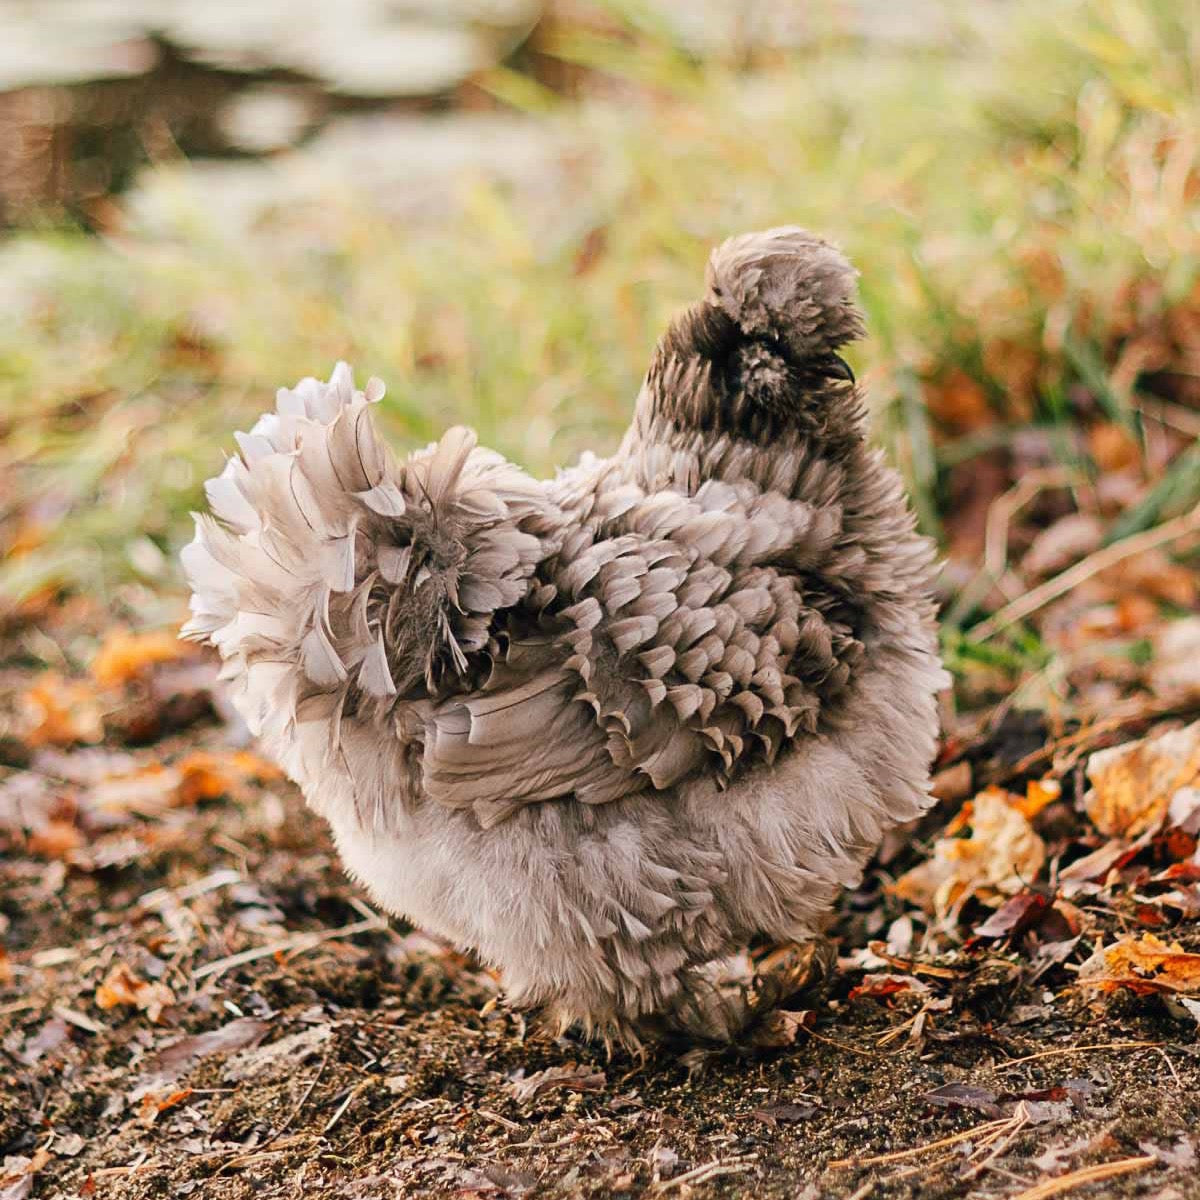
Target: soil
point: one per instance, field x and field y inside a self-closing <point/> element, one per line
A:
<point x="346" y="1056"/>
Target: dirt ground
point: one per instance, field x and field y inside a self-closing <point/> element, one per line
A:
<point x="195" y="1002"/>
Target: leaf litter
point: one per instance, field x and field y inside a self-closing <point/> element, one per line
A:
<point x="204" y="1010"/>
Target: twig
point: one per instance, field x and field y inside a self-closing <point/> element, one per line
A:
<point x="497" y="1119"/>
<point x="1065" y="1183"/>
<point x="353" y="1095"/>
<point x="78" y="1019"/>
<point x="144" y="1163"/>
<point x="820" y="1037"/>
<point x="989" y="1129"/>
<point x="264" y="1151"/>
<point x="1012" y="1062"/>
<point x="699" y="1175"/>
<point x="1082" y="571"/>
<point x="210" y="882"/>
<point x="298" y="943"/>
<point x="1020" y="1121"/>
<point x="308" y="1091"/>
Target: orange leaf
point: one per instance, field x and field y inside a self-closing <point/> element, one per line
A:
<point x="204" y="776"/>
<point x="1001" y="854"/>
<point x="61" y="712"/>
<point x="1113" y="447"/>
<point x="127" y="656"/>
<point x="959" y="403"/>
<point x="121" y="987"/>
<point x="1133" y="784"/>
<point x="1038" y="793"/>
<point x="56" y="839"/>
<point x="1142" y="965"/>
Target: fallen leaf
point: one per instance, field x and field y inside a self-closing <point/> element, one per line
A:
<point x="194" y="778"/>
<point x="959" y="402"/>
<point x="1015" y="916"/>
<point x="1052" y="1160"/>
<point x="233" y="1035"/>
<point x="784" y="1114"/>
<point x="1182" y="1155"/>
<point x="61" y="712"/>
<point x="1175" y="671"/>
<point x="1133" y="784"/>
<point x="1038" y="794"/>
<point x="999" y="856"/>
<point x="152" y="1105"/>
<point x="1152" y="573"/>
<point x="965" y="1095"/>
<point x="17" y="1172"/>
<point x="125" y="656"/>
<point x="1183" y="813"/>
<point x="52" y="1034"/>
<point x="283" y="1056"/>
<point x="572" y="1076"/>
<point x="58" y="838"/>
<point x="952" y="783"/>
<point x="69" y="1145"/>
<point x="1097" y="864"/>
<point x="1046" y="1112"/>
<point x="122" y="988"/>
<point x="1144" y="965"/>
<point x="1068" y="540"/>
<point x="1112" y="446"/>
<point x="880" y="986"/>
<point x="780" y="1027"/>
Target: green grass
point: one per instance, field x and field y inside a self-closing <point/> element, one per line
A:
<point x="1022" y="204"/>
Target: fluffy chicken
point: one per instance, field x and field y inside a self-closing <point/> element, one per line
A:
<point x="603" y="730"/>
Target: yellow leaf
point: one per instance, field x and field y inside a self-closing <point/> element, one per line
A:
<point x="1000" y="855"/>
<point x="1132" y="785"/>
<point x="1143" y="965"/>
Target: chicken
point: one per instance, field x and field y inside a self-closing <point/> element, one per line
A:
<point x="602" y="730"/>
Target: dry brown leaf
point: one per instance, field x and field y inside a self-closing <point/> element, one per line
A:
<point x="999" y="856"/>
<point x="1175" y="672"/>
<point x="17" y="1172"/>
<point x="238" y="1034"/>
<point x="123" y="988"/>
<point x="1113" y="447"/>
<point x="58" y="838"/>
<point x="195" y="777"/>
<point x="61" y="712"/>
<point x="959" y="403"/>
<point x="1152" y="573"/>
<point x="952" y="783"/>
<point x="1068" y="540"/>
<point x="572" y="1076"/>
<point x="126" y="656"/>
<point x="780" y="1027"/>
<point x="1133" y="784"/>
<point x="1143" y="965"/>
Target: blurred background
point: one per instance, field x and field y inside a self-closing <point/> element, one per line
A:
<point x="494" y="205"/>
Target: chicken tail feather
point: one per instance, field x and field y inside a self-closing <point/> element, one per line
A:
<point x="334" y="579"/>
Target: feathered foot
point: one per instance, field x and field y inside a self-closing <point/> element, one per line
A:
<point x="745" y="1015"/>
